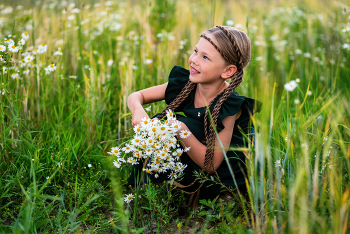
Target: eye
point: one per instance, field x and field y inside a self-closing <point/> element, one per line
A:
<point x="195" y="51"/>
<point x="205" y="57"/>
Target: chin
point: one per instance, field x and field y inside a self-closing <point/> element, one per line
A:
<point x="192" y="79"/>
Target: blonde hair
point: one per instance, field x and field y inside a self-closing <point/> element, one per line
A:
<point x="235" y="47"/>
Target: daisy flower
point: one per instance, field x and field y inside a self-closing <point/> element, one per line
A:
<point x="148" y="108"/>
<point x="185" y="133"/>
<point x="21" y="42"/>
<point x="137" y="129"/>
<point x="170" y="115"/>
<point x="42" y="48"/>
<point x="115" y="151"/>
<point x="89" y="165"/>
<point x="58" y="52"/>
<point x="176" y="125"/>
<point x="13" y="48"/>
<point x="278" y="163"/>
<point x="110" y="62"/>
<point x="25" y="36"/>
<point x="28" y="58"/>
<point x="132" y="161"/>
<point x="187" y="149"/>
<point x="2" y="48"/>
<point x="128" y="198"/>
<point x="14" y="76"/>
<point x="290" y="86"/>
<point x="127" y="148"/>
<point x="117" y="164"/>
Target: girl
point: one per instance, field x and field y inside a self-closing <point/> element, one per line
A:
<point x="220" y="55"/>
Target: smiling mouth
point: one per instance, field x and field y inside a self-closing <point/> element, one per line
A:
<point x="193" y="71"/>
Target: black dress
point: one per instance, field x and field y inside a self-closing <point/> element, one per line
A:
<point x="194" y="120"/>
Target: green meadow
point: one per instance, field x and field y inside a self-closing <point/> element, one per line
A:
<point x="67" y="68"/>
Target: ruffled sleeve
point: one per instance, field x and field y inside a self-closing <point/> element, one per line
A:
<point x="233" y="104"/>
<point x="178" y="78"/>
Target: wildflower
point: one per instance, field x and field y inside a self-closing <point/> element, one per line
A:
<point x="25" y="36"/>
<point x="2" y="48"/>
<point x="117" y="164"/>
<point x="59" y="164"/>
<point x="278" y="163"/>
<point x="3" y="91"/>
<point x="170" y="115"/>
<point x="297" y="80"/>
<point x="28" y="59"/>
<point x="13" y="48"/>
<point x="298" y="51"/>
<point x="14" y="76"/>
<point x="89" y="165"/>
<point x="132" y="161"/>
<point x="185" y="133"/>
<point x="110" y="62"/>
<point x="258" y="58"/>
<point x="21" y="42"/>
<point x="230" y="22"/>
<point x="290" y="86"/>
<point x="148" y="61"/>
<point x="307" y="55"/>
<point x="127" y="148"/>
<point x="309" y="92"/>
<point x="304" y="146"/>
<point x="75" y="11"/>
<point x="47" y="177"/>
<point x="73" y="77"/>
<point x="346" y="46"/>
<point x="58" y="52"/>
<point x="128" y="198"/>
<point x="42" y="48"/>
<point x="148" y="108"/>
<point x="187" y="148"/>
<point x="115" y="151"/>
<point x="71" y="17"/>
<point x="50" y="68"/>
<point x="296" y="101"/>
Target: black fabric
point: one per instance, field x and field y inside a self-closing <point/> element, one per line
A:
<point x="194" y="120"/>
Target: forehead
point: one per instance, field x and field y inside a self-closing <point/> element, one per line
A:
<point x="205" y="46"/>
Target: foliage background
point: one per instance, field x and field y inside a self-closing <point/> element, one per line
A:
<point x="53" y="126"/>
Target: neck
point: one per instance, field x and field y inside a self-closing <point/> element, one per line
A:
<point x="208" y="92"/>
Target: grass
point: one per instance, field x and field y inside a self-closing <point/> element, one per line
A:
<point x="52" y="127"/>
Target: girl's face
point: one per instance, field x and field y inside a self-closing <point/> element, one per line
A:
<point x="206" y="64"/>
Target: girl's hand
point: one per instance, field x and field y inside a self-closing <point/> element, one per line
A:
<point x="138" y="114"/>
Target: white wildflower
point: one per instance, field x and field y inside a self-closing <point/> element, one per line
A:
<point x="290" y="86"/>
<point x="278" y="163"/>
<point x="185" y="133"/>
<point x="128" y="198"/>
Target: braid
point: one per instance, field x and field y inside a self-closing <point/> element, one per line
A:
<point x="234" y="43"/>
<point x="211" y="135"/>
<point x="217" y="48"/>
<point x="179" y="98"/>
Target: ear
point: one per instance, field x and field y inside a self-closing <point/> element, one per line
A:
<point x="229" y="71"/>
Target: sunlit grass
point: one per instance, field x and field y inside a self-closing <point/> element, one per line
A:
<point x="53" y="126"/>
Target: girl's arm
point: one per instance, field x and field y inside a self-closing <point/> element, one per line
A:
<point x="198" y="150"/>
<point x="145" y="96"/>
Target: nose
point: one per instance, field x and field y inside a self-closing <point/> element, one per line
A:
<point x="194" y="59"/>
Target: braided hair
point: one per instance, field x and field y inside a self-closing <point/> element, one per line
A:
<point x="234" y="47"/>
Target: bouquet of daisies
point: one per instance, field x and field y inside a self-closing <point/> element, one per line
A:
<point x="154" y="140"/>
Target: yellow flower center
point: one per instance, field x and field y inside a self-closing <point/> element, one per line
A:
<point x="150" y="141"/>
<point x="178" y="154"/>
<point x="52" y="65"/>
<point x="137" y="140"/>
<point x="13" y="46"/>
<point x="116" y="151"/>
<point x="144" y="146"/>
<point x="154" y="129"/>
<point x="162" y="128"/>
<point x="148" y="171"/>
<point x="43" y="44"/>
<point x="145" y="122"/>
<point x="26" y="33"/>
